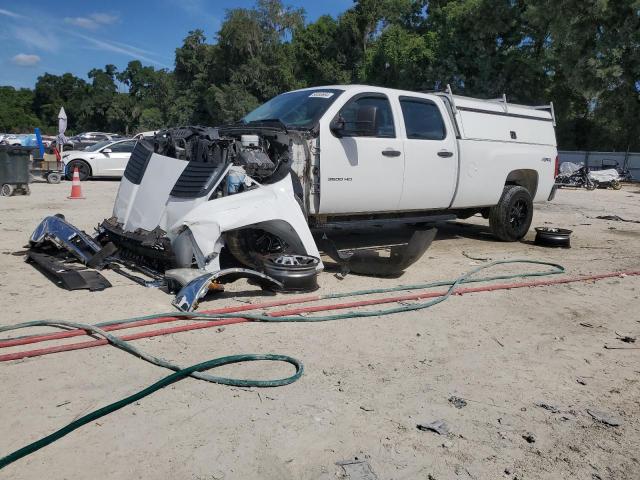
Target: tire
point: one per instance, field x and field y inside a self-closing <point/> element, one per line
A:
<point x="54" y="178"/>
<point x="297" y="273"/>
<point x="616" y="185"/>
<point x="6" y="190"/>
<point x="511" y="218"/>
<point x="84" y="169"/>
<point x="592" y="185"/>
<point x="250" y="245"/>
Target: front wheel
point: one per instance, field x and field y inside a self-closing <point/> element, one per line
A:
<point x="511" y="218"/>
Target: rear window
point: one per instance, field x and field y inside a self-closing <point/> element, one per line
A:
<point x="422" y="119"/>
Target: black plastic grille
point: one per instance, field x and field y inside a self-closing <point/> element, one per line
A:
<point x="137" y="164"/>
<point x="197" y="179"/>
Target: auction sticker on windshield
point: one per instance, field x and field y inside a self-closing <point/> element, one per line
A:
<point x="321" y="95"/>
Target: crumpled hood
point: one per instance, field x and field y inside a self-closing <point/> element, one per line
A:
<point x="157" y="191"/>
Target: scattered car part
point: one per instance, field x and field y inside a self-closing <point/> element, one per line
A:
<point x="57" y="230"/>
<point x="370" y="262"/>
<point x="189" y="296"/>
<point x="297" y="273"/>
<point x="553" y="237"/>
<point x="68" y="276"/>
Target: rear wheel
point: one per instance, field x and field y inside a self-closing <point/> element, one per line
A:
<point x="84" y="169"/>
<point x="616" y="185"/>
<point x="511" y="218"/>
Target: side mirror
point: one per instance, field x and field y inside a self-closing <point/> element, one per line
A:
<point x="365" y="124"/>
<point x="366" y="121"/>
<point x="337" y="126"/>
<point x="106" y="150"/>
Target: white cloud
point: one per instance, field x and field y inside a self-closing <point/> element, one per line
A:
<point x="122" y="48"/>
<point x="82" y="22"/>
<point x="93" y="21"/>
<point x="25" y="60"/>
<point x="104" y="18"/>
<point x="40" y="39"/>
<point x="9" y="13"/>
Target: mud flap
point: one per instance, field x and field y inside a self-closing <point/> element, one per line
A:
<point x="369" y="262"/>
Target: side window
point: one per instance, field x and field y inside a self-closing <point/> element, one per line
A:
<point x="124" y="147"/>
<point x="384" y="117"/>
<point x="422" y="119"/>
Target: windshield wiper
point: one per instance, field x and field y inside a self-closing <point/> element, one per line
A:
<point x="277" y="121"/>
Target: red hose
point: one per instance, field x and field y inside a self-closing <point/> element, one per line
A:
<point x="318" y="308"/>
<point x="151" y="321"/>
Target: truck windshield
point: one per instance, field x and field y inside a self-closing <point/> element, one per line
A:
<point x="301" y="109"/>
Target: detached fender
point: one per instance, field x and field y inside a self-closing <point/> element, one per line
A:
<point x="270" y="207"/>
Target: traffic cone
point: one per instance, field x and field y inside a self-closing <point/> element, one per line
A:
<point x="76" y="187"/>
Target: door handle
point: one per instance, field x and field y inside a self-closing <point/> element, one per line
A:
<point x="445" y="154"/>
<point x="391" y="153"/>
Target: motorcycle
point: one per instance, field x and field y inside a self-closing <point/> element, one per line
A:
<point x="577" y="176"/>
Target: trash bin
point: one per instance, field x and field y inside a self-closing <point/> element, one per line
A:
<point x="14" y="170"/>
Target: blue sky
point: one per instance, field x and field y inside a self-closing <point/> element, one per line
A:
<point x="75" y="36"/>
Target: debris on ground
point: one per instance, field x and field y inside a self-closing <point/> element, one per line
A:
<point x="581" y="381"/>
<point x="457" y="401"/>
<point x="547" y="406"/>
<point x="437" y="426"/>
<point x="357" y="470"/>
<point x="529" y="437"/>
<point x="480" y="259"/>
<point x="605" y="418"/>
<point x="616" y="218"/>
<point x="626" y="338"/>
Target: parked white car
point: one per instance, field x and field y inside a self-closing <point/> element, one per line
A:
<point x="104" y="159"/>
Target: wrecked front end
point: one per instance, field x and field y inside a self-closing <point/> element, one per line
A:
<point x="190" y="197"/>
<point x="184" y="196"/>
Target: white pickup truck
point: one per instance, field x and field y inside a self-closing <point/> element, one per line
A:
<point x="336" y="155"/>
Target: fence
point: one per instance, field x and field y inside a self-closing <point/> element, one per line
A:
<point x="603" y="160"/>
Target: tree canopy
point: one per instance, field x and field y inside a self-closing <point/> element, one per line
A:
<point x="584" y="55"/>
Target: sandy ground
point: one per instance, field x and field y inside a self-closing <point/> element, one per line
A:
<point x="367" y="383"/>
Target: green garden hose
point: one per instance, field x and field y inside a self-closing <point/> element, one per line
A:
<point x="196" y="370"/>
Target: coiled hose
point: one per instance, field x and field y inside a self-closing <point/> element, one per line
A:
<point x="196" y="370"/>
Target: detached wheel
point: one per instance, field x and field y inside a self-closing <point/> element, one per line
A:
<point x="84" y="169"/>
<point x="298" y="273"/>
<point x="511" y="218"/>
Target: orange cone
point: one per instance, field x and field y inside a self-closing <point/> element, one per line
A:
<point x="76" y="188"/>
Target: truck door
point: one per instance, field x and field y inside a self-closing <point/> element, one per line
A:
<point x="361" y="172"/>
<point x="430" y="153"/>
<point x="115" y="162"/>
